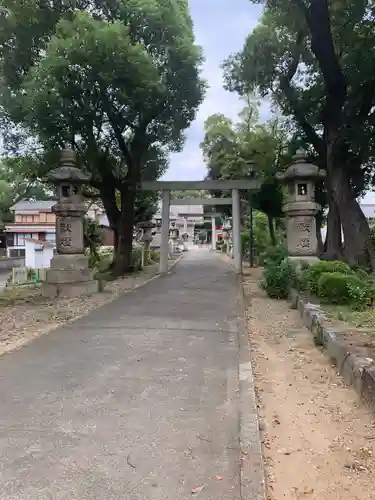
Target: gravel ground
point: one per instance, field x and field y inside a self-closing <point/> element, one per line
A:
<point x="318" y="437"/>
<point x="31" y="315"/>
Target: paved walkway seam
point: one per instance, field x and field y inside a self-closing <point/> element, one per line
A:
<point x="253" y="484"/>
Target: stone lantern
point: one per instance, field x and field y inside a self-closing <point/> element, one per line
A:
<point x="146" y="237"/>
<point x="300" y="208"/>
<point x="69" y="275"/>
<point x="174" y="232"/>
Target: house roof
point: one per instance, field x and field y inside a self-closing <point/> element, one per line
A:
<point x="25" y="205"/>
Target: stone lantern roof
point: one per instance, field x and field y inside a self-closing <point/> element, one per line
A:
<point x="146" y="225"/>
<point x="68" y="172"/>
<point x="300" y="169"/>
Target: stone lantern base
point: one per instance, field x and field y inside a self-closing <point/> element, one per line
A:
<point x="69" y="276"/>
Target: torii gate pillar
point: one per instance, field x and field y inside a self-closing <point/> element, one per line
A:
<point x="236" y="231"/>
<point x="164" y="243"/>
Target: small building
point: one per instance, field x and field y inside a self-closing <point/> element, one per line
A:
<point x="32" y="219"/>
<point x="38" y="253"/>
<point x="35" y="220"/>
<point x="183" y="217"/>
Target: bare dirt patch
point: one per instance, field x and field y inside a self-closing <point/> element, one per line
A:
<point x="25" y="314"/>
<point x="318" y="437"/>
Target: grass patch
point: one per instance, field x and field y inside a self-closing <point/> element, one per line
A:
<point x="15" y="294"/>
<point x="358" y="319"/>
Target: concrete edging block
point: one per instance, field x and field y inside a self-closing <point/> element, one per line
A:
<point x="355" y="370"/>
<point x="368" y="385"/>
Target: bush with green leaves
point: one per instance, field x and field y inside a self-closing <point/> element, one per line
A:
<point x="314" y="272"/>
<point x="340" y="288"/>
<point x="154" y="256"/>
<point x="274" y="255"/>
<point x="277" y="279"/>
<point x="301" y="277"/>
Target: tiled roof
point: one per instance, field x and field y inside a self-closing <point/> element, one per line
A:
<point x="33" y="205"/>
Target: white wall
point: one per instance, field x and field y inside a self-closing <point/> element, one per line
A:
<point x="34" y="259"/>
<point x="30" y="254"/>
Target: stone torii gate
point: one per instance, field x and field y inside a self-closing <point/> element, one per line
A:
<point x="207" y="185"/>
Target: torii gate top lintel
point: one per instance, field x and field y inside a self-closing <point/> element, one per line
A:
<point x="205" y="185"/>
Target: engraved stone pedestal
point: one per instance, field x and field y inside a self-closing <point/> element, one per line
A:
<point x="69" y="275"/>
<point x="300" y="208"/>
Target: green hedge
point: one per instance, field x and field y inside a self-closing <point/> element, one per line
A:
<point x="312" y="274"/>
<point x="340" y="288"/>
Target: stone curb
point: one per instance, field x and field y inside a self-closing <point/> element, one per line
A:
<point x="253" y="484"/>
<point x="355" y="370"/>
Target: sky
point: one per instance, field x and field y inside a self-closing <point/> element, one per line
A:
<point x="221" y="27"/>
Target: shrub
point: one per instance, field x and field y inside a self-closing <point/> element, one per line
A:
<point x="341" y="288"/>
<point x="274" y="255"/>
<point x="302" y="277"/>
<point x="362" y="293"/>
<point x="154" y="256"/>
<point x="314" y="272"/>
<point x="277" y="279"/>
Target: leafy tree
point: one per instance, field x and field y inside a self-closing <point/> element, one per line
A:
<point x="118" y="81"/>
<point x="198" y="193"/>
<point x="234" y="150"/>
<point x="15" y="185"/>
<point x="309" y="56"/>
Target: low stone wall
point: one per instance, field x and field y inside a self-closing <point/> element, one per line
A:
<point x="8" y="264"/>
<point x="356" y="370"/>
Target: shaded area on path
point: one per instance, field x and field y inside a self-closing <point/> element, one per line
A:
<point x="138" y="400"/>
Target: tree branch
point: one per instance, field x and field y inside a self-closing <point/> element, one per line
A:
<point x="360" y="104"/>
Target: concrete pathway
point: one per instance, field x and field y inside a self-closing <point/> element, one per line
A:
<point x="137" y="401"/>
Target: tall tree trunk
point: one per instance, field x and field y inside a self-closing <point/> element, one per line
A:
<point x="333" y="242"/>
<point x="358" y="247"/>
<point x="318" y="230"/>
<point x="123" y="260"/>
<point x="271" y="229"/>
<point x="108" y="197"/>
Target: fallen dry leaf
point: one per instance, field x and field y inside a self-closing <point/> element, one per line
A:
<point x="308" y="491"/>
<point x="197" y="489"/>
